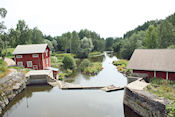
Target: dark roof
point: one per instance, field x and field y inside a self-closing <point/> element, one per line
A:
<point x="153" y="60"/>
<point x="30" y="49"/>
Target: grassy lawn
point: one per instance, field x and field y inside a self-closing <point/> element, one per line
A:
<point x="166" y="89"/>
<point x="94" y="54"/>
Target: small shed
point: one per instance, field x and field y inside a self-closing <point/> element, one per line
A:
<point x="158" y="63"/>
<point x="55" y="71"/>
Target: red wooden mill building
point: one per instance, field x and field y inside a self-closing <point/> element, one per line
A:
<point x="34" y="56"/>
<point x="158" y="63"/>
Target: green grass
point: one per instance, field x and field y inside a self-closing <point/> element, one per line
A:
<point x="3" y="69"/>
<point x="91" y="54"/>
<point x="166" y="89"/>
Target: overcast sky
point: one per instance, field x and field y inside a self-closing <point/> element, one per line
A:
<point x="106" y="17"/>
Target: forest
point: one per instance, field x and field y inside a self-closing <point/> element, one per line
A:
<point x="150" y="35"/>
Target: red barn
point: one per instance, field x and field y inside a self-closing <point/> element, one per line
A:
<point x="158" y="63"/>
<point x="34" y="56"/>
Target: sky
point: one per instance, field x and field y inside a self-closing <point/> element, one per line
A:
<point x="109" y="18"/>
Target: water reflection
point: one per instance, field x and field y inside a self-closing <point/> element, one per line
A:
<point x="45" y="101"/>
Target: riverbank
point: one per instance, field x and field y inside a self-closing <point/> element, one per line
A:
<point x="143" y="102"/>
<point x="10" y="86"/>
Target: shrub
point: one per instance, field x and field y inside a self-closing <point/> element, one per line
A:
<point x="69" y="62"/>
<point x="61" y="76"/>
<point x="93" y="68"/>
<point x="85" y="63"/>
<point x="68" y="72"/>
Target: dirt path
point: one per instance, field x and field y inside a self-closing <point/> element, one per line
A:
<point x="10" y="62"/>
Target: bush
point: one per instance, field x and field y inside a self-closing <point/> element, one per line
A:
<point x="68" y="72"/>
<point x="85" y="63"/>
<point x="93" y="68"/>
<point x="61" y="76"/>
<point x="69" y="62"/>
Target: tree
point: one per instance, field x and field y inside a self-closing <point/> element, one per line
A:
<point x="49" y="44"/>
<point x="86" y="46"/>
<point x="69" y="62"/>
<point x="55" y="44"/>
<point x="37" y="36"/>
<point x="75" y="42"/>
<point x="151" y="37"/>
<point x="130" y="45"/>
<point x="24" y="33"/>
<point x="3" y="36"/>
<point x="166" y="34"/>
<point x="109" y="43"/>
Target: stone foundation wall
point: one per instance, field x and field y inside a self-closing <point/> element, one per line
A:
<point x="144" y="103"/>
<point x="10" y="86"/>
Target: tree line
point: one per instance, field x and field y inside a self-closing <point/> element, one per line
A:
<point x="80" y="43"/>
<point x="151" y="35"/>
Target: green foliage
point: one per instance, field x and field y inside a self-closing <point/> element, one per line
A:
<point x="166" y="89"/>
<point x="8" y="52"/>
<point x="121" y="66"/>
<point x="85" y="63"/>
<point x="163" y="88"/>
<point x="3" y="68"/>
<point x="49" y="44"/>
<point x="109" y="43"/>
<point x="171" y="109"/>
<point x="93" y="68"/>
<point x="86" y="46"/>
<point x="171" y="47"/>
<point x="151" y="38"/>
<point x="68" y="73"/>
<point x="166" y="34"/>
<point x="61" y="76"/>
<point x="134" y="42"/>
<point x="69" y="62"/>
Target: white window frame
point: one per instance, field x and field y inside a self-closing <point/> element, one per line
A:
<point x="29" y="64"/>
<point x="20" y="63"/>
<point x="35" y="55"/>
<point x="18" y="56"/>
<point x="47" y="61"/>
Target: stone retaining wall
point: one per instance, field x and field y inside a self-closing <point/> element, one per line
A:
<point x="10" y="86"/>
<point x="142" y="102"/>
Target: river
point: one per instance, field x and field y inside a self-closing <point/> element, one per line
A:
<point x="46" y="101"/>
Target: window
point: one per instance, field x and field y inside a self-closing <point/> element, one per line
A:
<point x="35" y="55"/>
<point x="47" y="61"/>
<point x="29" y="63"/>
<point x="18" y="56"/>
<point x="20" y="64"/>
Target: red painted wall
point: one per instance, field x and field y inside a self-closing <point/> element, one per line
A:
<point x="160" y="74"/>
<point x="39" y="61"/>
<point x="171" y="75"/>
<point x="45" y="58"/>
<point x="28" y="57"/>
<point x="150" y="73"/>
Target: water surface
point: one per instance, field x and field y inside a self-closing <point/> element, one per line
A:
<point x="45" y="101"/>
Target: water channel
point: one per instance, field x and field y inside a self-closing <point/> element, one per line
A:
<point x="46" y="101"/>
